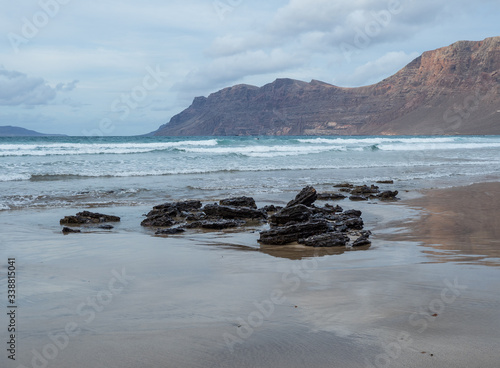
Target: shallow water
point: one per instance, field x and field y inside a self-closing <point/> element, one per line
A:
<point x="82" y="171"/>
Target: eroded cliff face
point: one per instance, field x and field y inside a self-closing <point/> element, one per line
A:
<point x="451" y="90"/>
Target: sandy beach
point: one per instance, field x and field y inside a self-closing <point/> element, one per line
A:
<point x="423" y="295"/>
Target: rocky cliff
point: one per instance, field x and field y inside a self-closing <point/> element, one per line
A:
<point x="451" y="90"/>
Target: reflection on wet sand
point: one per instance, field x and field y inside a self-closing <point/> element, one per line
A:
<point x="291" y="251"/>
<point x="459" y="224"/>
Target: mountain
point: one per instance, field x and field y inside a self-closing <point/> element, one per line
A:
<point x="12" y="131"/>
<point x="451" y="90"/>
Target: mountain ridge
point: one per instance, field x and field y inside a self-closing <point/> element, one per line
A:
<point x="450" y="90"/>
<point x="15" y="131"/>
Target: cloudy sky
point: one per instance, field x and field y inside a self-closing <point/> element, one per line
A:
<point x="126" y="67"/>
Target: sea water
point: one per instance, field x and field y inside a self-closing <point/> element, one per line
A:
<point x="38" y="172"/>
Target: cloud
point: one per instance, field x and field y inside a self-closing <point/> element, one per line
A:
<point x="66" y="87"/>
<point x="224" y="70"/>
<point x="375" y="71"/>
<point x="18" y="89"/>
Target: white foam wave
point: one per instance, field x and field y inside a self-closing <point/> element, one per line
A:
<point x="375" y="140"/>
<point x="14" y="177"/>
<point x="266" y="151"/>
<point x="52" y="149"/>
<point x="437" y="146"/>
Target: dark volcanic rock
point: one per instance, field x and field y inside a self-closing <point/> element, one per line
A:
<point x="388" y="195"/>
<point x="165" y="214"/>
<point x="174" y="209"/>
<point x="326" y="240"/>
<point x="288" y="234"/>
<point x="158" y="221"/>
<point x="307" y="196"/>
<point x="331" y="196"/>
<point x="326" y="210"/>
<point x="297" y="213"/>
<point x="174" y="230"/>
<point x="362" y="240"/>
<point x="343" y="185"/>
<point x="385" y="182"/>
<point x="358" y="198"/>
<point x="352" y="213"/>
<point x="271" y="208"/>
<point x="87" y="217"/>
<point x="106" y="227"/>
<point x="67" y="230"/>
<point x="215" y="225"/>
<point x="229" y="212"/>
<point x="354" y="223"/>
<point x="364" y="189"/>
<point x="239" y="202"/>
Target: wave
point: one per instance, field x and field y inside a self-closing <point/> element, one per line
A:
<point x="267" y="166"/>
<point x="437" y="146"/>
<point x="376" y="140"/>
<point x="266" y="151"/>
<point x="52" y="149"/>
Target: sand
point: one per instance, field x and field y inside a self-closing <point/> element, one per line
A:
<point x="425" y="294"/>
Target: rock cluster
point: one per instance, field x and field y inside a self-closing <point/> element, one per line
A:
<point x="301" y="221"/>
<point x="87" y="218"/>
<point x="361" y="192"/>
<point x="228" y="213"/>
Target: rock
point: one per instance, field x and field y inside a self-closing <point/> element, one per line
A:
<point x="67" y="230"/>
<point x="354" y="223"/>
<point x="358" y="198"/>
<point x="174" y="230"/>
<point x="87" y="217"/>
<point x="291" y="233"/>
<point x="364" y="189"/>
<point x="197" y="216"/>
<point x="158" y="221"/>
<point x="385" y="182"/>
<point x="326" y="210"/>
<point x="326" y="240"/>
<point x="307" y="196"/>
<point x="215" y="225"/>
<point x="106" y="227"/>
<point x="343" y="185"/>
<point x="164" y="211"/>
<point x="174" y="209"/>
<point x="388" y="195"/>
<point x="229" y="212"/>
<point x="331" y="196"/>
<point x="239" y="202"/>
<point x="345" y="190"/>
<point x="271" y="208"/>
<point x="362" y="240"/>
<point x="297" y="213"/>
<point x="352" y="213"/>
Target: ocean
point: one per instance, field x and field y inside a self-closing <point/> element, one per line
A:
<point x="53" y="172"/>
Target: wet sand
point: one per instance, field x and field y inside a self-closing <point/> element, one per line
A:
<point x="458" y="221"/>
<point x="219" y="300"/>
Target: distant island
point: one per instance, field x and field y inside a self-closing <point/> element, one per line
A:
<point x="452" y="90"/>
<point x="13" y="131"/>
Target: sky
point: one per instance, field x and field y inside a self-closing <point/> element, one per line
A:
<point x="126" y="67"/>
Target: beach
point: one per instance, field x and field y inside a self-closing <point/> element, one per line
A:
<point x="126" y="298"/>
